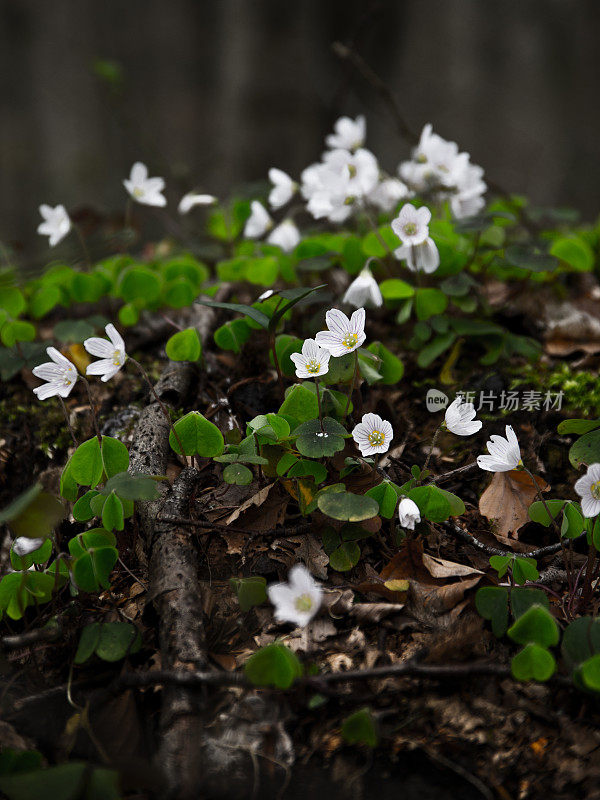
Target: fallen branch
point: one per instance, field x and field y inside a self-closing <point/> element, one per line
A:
<point x="50" y="633"/>
<point x="452" y="528"/>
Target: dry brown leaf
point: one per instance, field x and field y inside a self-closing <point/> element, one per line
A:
<point x="256" y="500"/>
<point x="507" y="499"/>
<point x="374" y="612"/>
<point x="440" y="568"/>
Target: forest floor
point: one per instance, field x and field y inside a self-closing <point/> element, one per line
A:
<point x="446" y="728"/>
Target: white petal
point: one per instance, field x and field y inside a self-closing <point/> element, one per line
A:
<point x="101" y="348"/>
<point x="47" y="390"/>
<point x="115" y="337"/>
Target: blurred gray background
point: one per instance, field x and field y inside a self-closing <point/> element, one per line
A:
<point x="211" y="93"/>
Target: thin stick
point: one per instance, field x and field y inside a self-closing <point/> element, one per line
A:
<point x="84" y="247"/>
<point x="66" y="413"/>
<point x="433" y="441"/>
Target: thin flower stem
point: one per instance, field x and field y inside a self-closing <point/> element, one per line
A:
<point x="379" y="237"/>
<point x="319" y="403"/>
<point x="587" y="581"/>
<point x="354" y="377"/>
<point x="66" y="413"/>
<point x="84" y="247"/>
<point x="163" y="407"/>
<point x="433" y="442"/>
<point x="92" y="409"/>
<point x="276" y="362"/>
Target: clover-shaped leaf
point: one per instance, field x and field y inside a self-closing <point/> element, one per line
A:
<point x="273" y="665"/>
<point x="348" y="507"/>
<point x="536" y="625"/>
<point x="534" y="662"/>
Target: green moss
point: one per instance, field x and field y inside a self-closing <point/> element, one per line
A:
<point x="581" y="389"/>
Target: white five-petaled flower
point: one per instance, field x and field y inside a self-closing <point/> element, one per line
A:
<point x="299" y="599"/>
<point x="145" y="190"/>
<point x="364" y="291"/>
<point x="408" y="513"/>
<point x="283" y="188"/>
<point x="56" y="224"/>
<point x="259" y="221"/>
<point x="60" y="376"/>
<point x="460" y="418"/>
<point x="411" y="225"/>
<point x="344" y="335"/>
<point x="111" y="353"/>
<point x="373" y="435"/>
<point x="23" y="545"/>
<point x="286" y="235"/>
<point x="588" y="488"/>
<point x="504" y="454"/>
<point x="312" y="362"/>
<point x="348" y="133"/>
<point x="191" y="199"/>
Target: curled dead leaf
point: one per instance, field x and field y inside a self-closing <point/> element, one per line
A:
<point x="507" y="499"/>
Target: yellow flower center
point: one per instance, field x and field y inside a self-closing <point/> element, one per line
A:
<point x="118" y="358"/>
<point x="376" y="438"/>
<point x="595" y="490"/>
<point x="313" y="366"/>
<point x="303" y="602"/>
<point x="350" y="340"/>
<point x="410" y="229"/>
<point x="352" y="170"/>
<point x="138" y="192"/>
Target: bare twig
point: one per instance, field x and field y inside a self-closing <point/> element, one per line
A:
<point x="452" y="528"/>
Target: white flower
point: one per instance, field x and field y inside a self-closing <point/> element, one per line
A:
<point x="56" y="224"/>
<point x="145" y="190"/>
<point x="409" y="514"/>
<point x="191" y="199"/>
<point x="363" y="291"/>
<point x="373" y="435"/>
<point x="424" y="256"/>
<point x="286" y="235"/>
<point x="61" y="375"/>
<point x="349" y="133"/>
<point x="460" y="418"/>
<point x="361" y="167"/>
<point x="588" y="488"/>
<point x="504" y="454"/>
<point x="265" y="295"/>
<point x="312" y="362"/>
<point x="411" y="225"/>
<point x="112" y="354"/>
<point x="259" y="221"/>
<point x="23" y="545"/>
<point x="298" y="600"/>
<point x="344" y="335"/>
<point x="328" y="192"/>
<point x="388" y="193"/>
<point x="283" y="188"/>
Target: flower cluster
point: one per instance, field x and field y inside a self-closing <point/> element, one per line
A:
<point x="141" y="188"/>
<point x="437" y="167"/>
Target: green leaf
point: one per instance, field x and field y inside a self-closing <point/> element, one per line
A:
<point x="112" y="513"/>
<point x="39" y="556"/>
<point x="536" y="625"/>
<point x="435" y="349"/>
<point x="500" y="564"/>
<point x="307" y="469"/>
<point x="492" y="603"/>
<point x="110" y="641"/>
<point x="34" y="513"/>
<point x="285" y="345"/>
<point x="300" y="404"/>
<point x="390" y="367"/>
<point x="581" y="641"/>
<point x="533" y="663"/>
<point x="250" y="591"/>
<point x="73" y="330"/>
<point x="95" y="556"/>
<point x="249" y="311"/>
<point x="129" y="314"/>
<point x="115" y="457"/>
<point x="572" y="524"/>
<point x="86" y="465"/>
<point x="429" y="302"/>
<point x="345" y="556"/>
<point x="232" y="335"/>
<point x="524" y="569"/>
<point x="586" y="450"/>
<point x="139" y="283"/>
<point x="523" y="597"/>
<point x="198" y="436"/>
<point x="433" y="503"/>
<point x="70" y="781"/>
<point x="537" y="511"/>
<point x="43" y="300"/>
<point x="590" y="673"/>
<point x="575" y="251"/>
<point x="372" y="245"/>
<point x="179" y="293"/>
<point x="273" y="665"/>
<point x="132" y="487"/>
<point x="12" y="300"/>
<point x="237" y="474"/>
<point x="293" y="296"/>
<point x="359" y="728"/>
<point x="578" y="426"/>
<point x="82" y="510"/>
<point x="530" y="258"/>
<point x="19" y="590"/>
<point x="184" y="346"/>
<point x="395" y="289"/>
<point x="386" y="497"/>
<point x="348" y="507"/>
<point x="17" y="331"/>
